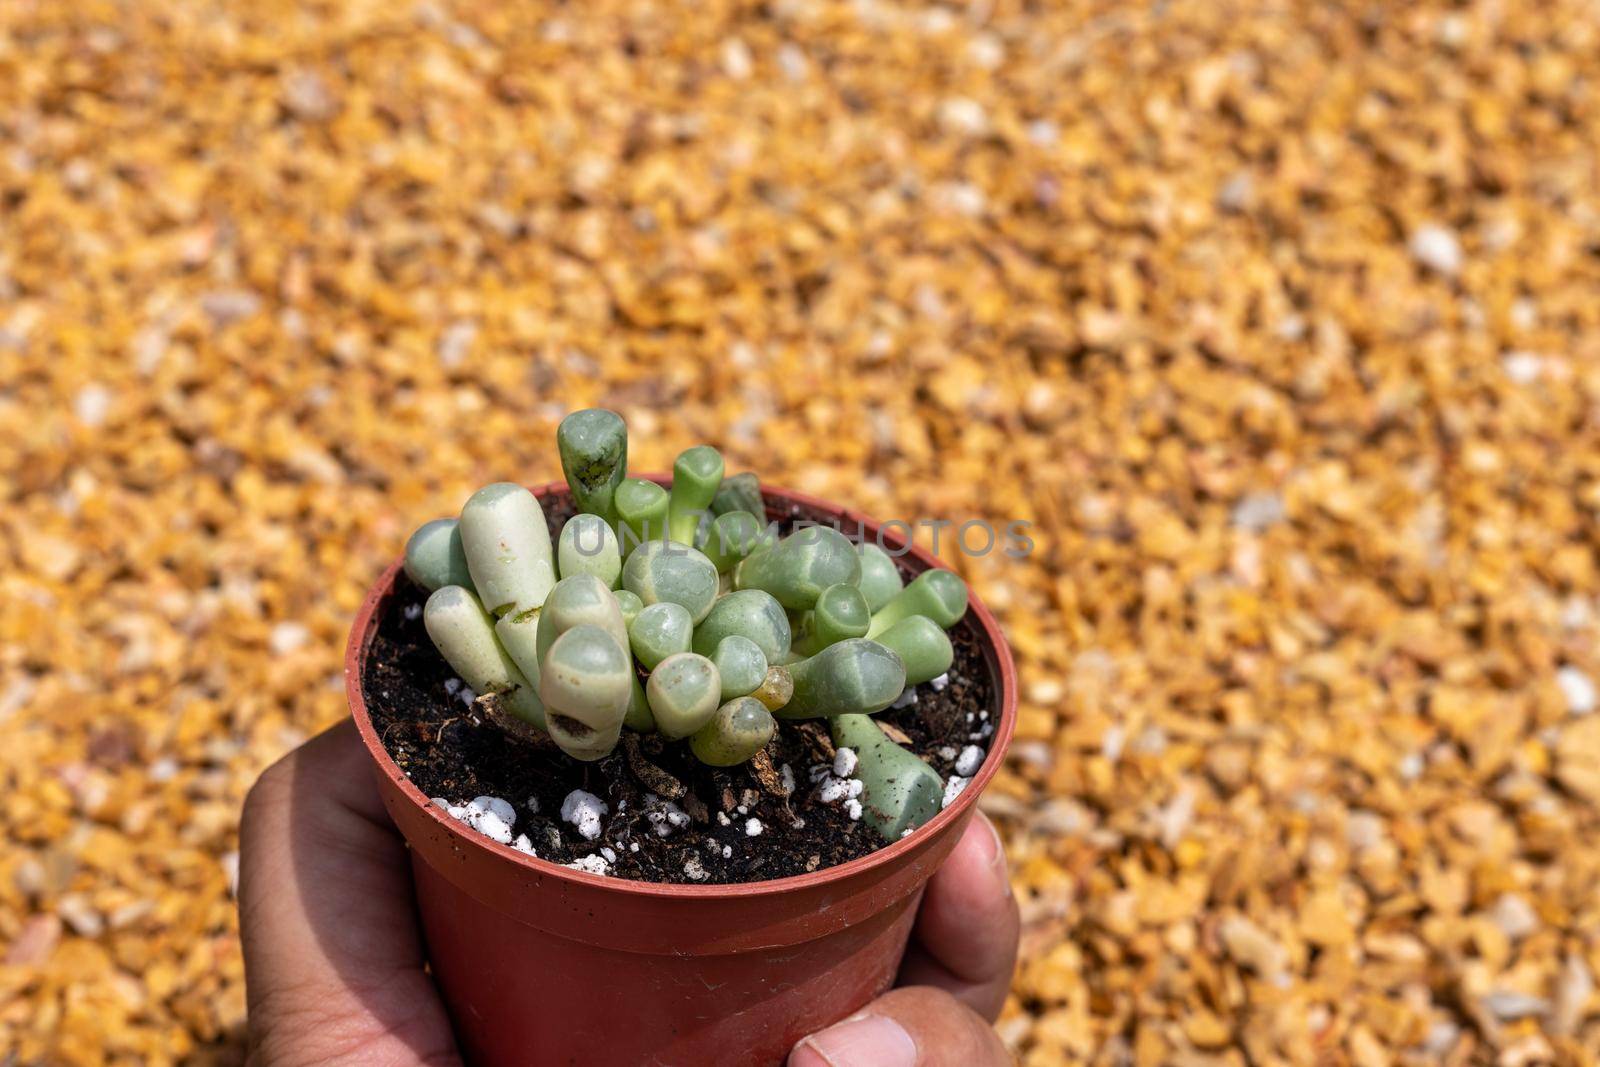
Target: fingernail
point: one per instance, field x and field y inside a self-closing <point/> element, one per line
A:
<point x="997" y="856"/>
<point x="864" y="1041"/>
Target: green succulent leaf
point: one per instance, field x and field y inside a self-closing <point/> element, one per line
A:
<point x="507" y="546"/>
<point x="658" y="631"/>
<point x="684" y="692"/>
<point x="880" y="576"/>
<point x="922" y="646"/>
<point x="586" y="684"/>
<point x="695" y="478"/>
<point x="798" y="568"/>
<point x="434" y="556"/>
<point x="738" y="730"/>
<point x="594" y="456"/>
<point x="855" y="676"/>
<point x="464" y="635"/>
<point x="660" y="571"/>
<point x="751" y="613"/>
<point x="740" y="492"/>
<point x="588" y="545"/>
<point x="937" y="594"/>
<point x="899" y="791"/>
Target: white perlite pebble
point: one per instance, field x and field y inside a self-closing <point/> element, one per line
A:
<point x="1578" y="689"/>
<point x="727" y="850"/>
<point x="665" y="816"/>
<point x="752" y="827"/>
<point x="952" y="789"/>
<point x="583" y="810"/>
<point x="947" y="752"/>
<point x="844" y="762"/>
<point x="852" y="808"/>
<point x="491" y="817"/>
<point x="522" y="844"/>
<point x="591" y="865"/>
<point x="467" y="695"/>
<point x="693" y="869"/>
<point x="832" y="790"/>
<point x="969" y="761"/>
<point x="904" y="700"/>
<point x="786" y="778"/>
<point x="722" y="818"/>
<point x="938" y="684"/>
<point x="1437" y="249"/>
<point x="413" y="611"/>
<point x="611" y="857"/>
<point x="453" y="686"/>
<point x="633" y="846"/>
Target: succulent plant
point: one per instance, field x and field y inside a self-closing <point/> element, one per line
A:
<point x="798" y="568"/>
<point x="643" y="577"/>
<point x="641" y="513"/>
<point x="594" y="457"/>
<point x="660" y="571"/>
<point x="741" y="665"/>
<point x="899" y="791"/>
<point x="684" y="692"/>
<point x="841" y="613"/>
<point x="586" y="684"/>
<point x="776" y="689"/>
<point x="588" y="545"/>
<point x="880" y="577"/>
<point x="464" y="635"/>
<point x="732" y="537"/>
<point x="855" y="676"/>
<point x="751" y="612"/>
<point x="738" y="730"/>
<point x="695" y="478"/>
<point x="658" y="631"/>
<point x="740" y="492"/>
<point x="937" y="594"/>
<point x="922" y="646"/>
<point x="434" y="557"/>
<point x="630" y="604"/>
<point x="507" y="545"/>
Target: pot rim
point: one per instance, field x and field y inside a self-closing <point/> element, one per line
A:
<point x="1005" y="681"/>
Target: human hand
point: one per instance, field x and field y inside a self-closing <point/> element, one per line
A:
<point x="337" y="977"/>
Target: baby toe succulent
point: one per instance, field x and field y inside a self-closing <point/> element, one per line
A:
<point x="798" y="568"/>
<point x="741" y="664"/>
<point x="841" y="613"/>
<point x="739" y="729"/>
<point x="594" y="456"/>
<point x="750" y="612"/>
<point x="507" y="545"/>
<point x="880" y="577"/>
<point x="684" y="692"/>
<point x="575" y="601"/>
<point x="586" y="683"/>
<point x="855" y="676"/>
<point x="630" y="604"/>
<point x="922" y="646"/>
<point x="776" y="689"/>
<point x="666" y="571"/>
<point x="588" y="545"/>
<point x="434" y="557"/>
<point x="464" y="635"/>
<point x="658" y="631"/>
<point x="938" y="594"/>
<point x="641" y="513"/>
<point x="740" y="492"/>
<point x="899" y="791"/>
<point x="732" y="537"/>
<point x="695" y="478"/>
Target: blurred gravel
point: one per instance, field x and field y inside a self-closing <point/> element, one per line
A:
<point x="1279" y="321"/>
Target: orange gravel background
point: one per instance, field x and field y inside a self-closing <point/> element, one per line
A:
<point x="1280" y="321"/>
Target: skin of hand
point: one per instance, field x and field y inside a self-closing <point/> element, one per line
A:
<point x="337" y="977"/>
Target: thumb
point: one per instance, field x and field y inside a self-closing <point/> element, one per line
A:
<point x="917" y="1026"/>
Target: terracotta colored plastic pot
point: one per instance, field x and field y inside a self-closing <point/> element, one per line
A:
<point x="541" y="964"/>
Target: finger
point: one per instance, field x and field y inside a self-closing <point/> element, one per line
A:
<point x="965" y="940"/>
<point x="333" y="955"/>
<point x="917" y="1026"/>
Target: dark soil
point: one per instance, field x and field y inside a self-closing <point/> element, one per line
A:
<point x="452" y="750"/>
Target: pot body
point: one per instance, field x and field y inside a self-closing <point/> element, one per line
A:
<point x="540" y="964"/>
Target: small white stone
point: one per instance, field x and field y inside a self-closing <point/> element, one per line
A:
<point x="844" y="762"/>
<point x="583" y="810"/>
<point x="939" y="682"/>
<point x="466" y="694"/>
<point x="523" y="845"/>
<point x="591" y="865"/>
<point x="832" y="790"/>
<point x="948" y="752"/>
<point x="786" y="778"/>
<point x="1436" y="248"/>
<point x="92" y="404"/>
<point x="722" y="818"/>
<point x="611" y="856"/>
<point x="453" y="686"/>
<point x="854" y="788"/>
<point x="742" y="810"/>
<point x="693" y="869"/>
<point x="904" y="700"/>
<point x="412" y="611"/>
<point x="969" y="761"/>
<point x="665" y="817"/>
<point x="752" y="827"/>
<point x="952" y="789"/>
<point x="1522" y="367"/>
<point x="287" y="637"/>
<point x="1515" y="918"/>
<point x="500" y="809"/>
<point x="490" y="825"/>
<point x="633" y="846"/>
<point x="852" y="808"/>
<point x="1578" y="689"/>
<point x="727" y="850"/>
